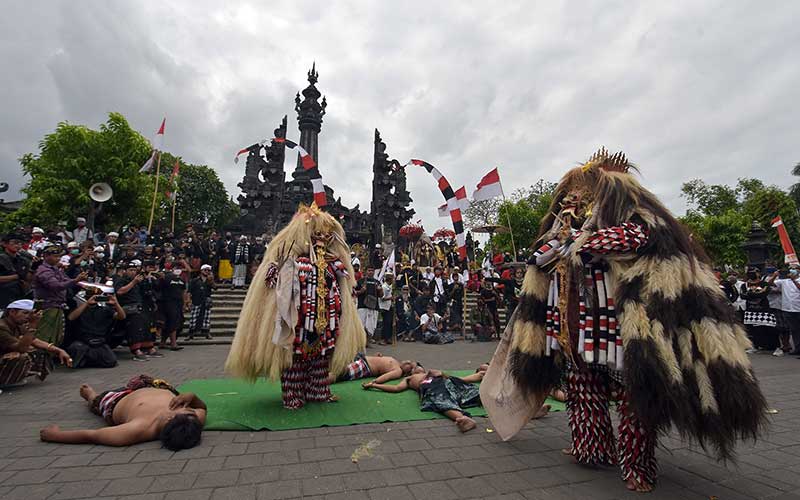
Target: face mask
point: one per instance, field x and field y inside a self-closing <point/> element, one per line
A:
<point x="793" y="273"/>
<point x="100" y="255"/>
<point x="75" y="251"/>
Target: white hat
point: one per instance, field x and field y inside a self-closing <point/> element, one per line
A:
<point x="72" y="244"/>
<point x="113" y="233"/>
<point x="64" y="260"/>
<point x="135" y="263"/>
<point x="81" y="219"/>
<point x="377" y="245"/>
<point x="99" y="249"/>
<point x="204" y="267"/>
<point x="37" y="230"/>
<point x="24" y="304"/>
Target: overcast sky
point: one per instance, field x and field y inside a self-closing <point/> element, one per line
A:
<point x="686" y="89"/>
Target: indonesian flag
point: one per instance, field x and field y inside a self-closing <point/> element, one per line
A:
<point x="306" y="159"/>
<point x="173" y="178"/>
<point x="157" y="144"/>
<point x="320" y="198"/>
<point x="443" y="212"/>
<point x="788" y="250"/>
<point x="489" y="187"/>
<point x="461" y="196"/>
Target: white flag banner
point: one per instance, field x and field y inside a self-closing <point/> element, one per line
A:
<point x="388" y="266"/>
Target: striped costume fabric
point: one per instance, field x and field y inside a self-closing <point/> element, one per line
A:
<point x="305" y="381"/>
<point x="200" y="319"/>
<point x="593" y="440"/>
<point x="16" y="367"/>
<point x="453" y="204"/>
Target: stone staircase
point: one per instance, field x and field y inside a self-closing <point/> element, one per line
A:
<point x="471" y="313"/>
<point x="224" y="315"/>
<point x="228" y="306"/>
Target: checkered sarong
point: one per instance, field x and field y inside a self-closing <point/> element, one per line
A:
<point x="759" y="318"/>
<point x="200" y="320"/>
<point x="358" y="369"/>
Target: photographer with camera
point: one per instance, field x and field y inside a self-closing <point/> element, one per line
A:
<point x="95" y="316"/>
<point x="130" y="294"/>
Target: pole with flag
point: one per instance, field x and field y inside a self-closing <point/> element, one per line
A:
<point x="158" y="144"/>
<point x="174" y="195"/>
<point x="490" y="187"/>
<point x="790" y="257"/>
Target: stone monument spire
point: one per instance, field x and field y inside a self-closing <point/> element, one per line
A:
<point x="309" y="119"/>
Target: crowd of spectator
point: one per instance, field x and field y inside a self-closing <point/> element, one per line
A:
<point x="75" y="295"/>
<point x="768" y="303"/>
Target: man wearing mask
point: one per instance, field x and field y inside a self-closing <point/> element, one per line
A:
<point x="38" y="242"/>
<point x="14" y="270"/>
<point x="406" y="318"/>
<point x="81" y="233"/>
<point x="131" y="297"/>
<point x="438" y="285"/>
<point x="50" y="286"/>
<point x="95" y="314"/>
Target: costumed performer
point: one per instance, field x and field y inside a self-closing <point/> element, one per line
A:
<point x="620" y="303"/>
<point x="299" y="321"/>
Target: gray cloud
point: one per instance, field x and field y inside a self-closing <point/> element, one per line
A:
<point x="687" y="90"/>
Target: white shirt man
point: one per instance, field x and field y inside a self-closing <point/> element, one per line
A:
<point x="428" y="274"/>
<point x="81" y="233"/>
<point x="790" y="305"/>
<point x="112" y="247"/>
<point x="430" y="322"/>
<point x="385" y="300"/>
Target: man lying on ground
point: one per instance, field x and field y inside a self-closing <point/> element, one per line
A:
<point x="443" y="394"/>
<point x="144" y="410"/>
<point x="385" y="368"/>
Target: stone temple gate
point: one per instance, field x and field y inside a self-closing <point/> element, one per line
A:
<point x="269" y="200"/>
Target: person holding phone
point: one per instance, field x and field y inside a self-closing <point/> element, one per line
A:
<point x="50" y="285"/>
<point x="22" y="355"/>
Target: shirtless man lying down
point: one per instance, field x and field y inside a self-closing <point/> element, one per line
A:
<point x="144" y="410"/>
<point x="385" y="368"/>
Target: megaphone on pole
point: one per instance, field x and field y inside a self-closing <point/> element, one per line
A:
<point x="100" y="192"/>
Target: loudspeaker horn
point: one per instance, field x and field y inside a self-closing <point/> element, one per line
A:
<point x="100" y="192"/>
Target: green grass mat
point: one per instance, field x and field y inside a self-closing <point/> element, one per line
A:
<point x="238" y="405"/>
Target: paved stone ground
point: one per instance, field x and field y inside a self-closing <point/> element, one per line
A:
<point x="418" y="460"/>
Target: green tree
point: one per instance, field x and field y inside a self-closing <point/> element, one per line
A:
<point x="794" y="191"/>
<point x="525" y="210"/>
<point x="201" y="196"/>
<point x="720" y="216"/>
<point x="74" y="157"/>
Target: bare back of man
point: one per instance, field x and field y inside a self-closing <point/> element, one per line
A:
<point x="138" y="417"/>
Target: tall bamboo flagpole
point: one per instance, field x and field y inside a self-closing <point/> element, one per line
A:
<point x="510" y="230"/>
<point x="155" y="194"/>
<point x="174" y="202"/>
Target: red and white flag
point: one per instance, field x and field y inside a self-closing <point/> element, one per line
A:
<point x="461" y="196"/>
<point x="173" y="178"/>
<point x="157" y="144"/>
<point x="790" y="257"/>
<point x="320" y="198"/>
<point x="443" y="211"/>
<point x="489" y="187"/>
<point x="306" y="159"/>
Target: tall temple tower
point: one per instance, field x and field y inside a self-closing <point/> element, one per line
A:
<point x="309" y="119"/>
<point x="269" y="200"/>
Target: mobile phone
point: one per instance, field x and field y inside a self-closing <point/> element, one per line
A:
<point x="101" y="298"/>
